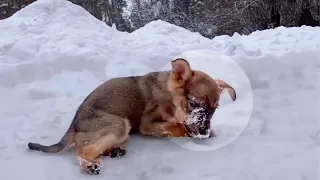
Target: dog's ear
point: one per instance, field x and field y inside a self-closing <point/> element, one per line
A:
<point x="225" y="86"/>
<point x="181" y="69"/>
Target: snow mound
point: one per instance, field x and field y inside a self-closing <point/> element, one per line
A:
<point x="42" y="39"/>
<point x="161" y="28"/>
<point x="272" y="41"/>
<point x="57" y="25"/>
<point x="53" y="53"/>
<point x="159" y="41"/>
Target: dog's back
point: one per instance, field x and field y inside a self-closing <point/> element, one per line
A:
<point x="127" y="97"/>
<point x="118" y="96"/>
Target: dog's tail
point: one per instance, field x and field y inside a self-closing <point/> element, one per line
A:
<point x="64" y="143"/>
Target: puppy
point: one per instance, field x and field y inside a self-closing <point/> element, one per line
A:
<point x="156" y="104"/>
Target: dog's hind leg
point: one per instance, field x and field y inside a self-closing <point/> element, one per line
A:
<point x="92" y="145"/>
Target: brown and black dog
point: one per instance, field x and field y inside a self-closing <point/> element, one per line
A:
<point x="156" y="104"/>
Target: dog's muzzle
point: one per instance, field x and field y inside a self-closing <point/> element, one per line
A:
<point x="203" y="121"/>
<point x="198" y="124"/>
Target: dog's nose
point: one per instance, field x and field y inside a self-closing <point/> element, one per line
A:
<point x="203" y="131"/>
<point x="207" y="124"/>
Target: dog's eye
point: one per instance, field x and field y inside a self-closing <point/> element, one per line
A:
<point x="193" y="104"/>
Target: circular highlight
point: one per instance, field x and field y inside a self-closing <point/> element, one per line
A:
<point x="231" y="118"/>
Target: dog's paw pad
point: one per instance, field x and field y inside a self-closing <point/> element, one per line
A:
<point x="117" y="152"/>
<point x="89" y="167"/>
<point x="94" y="168"/>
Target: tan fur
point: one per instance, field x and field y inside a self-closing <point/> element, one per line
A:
<point x="155" y="104"/>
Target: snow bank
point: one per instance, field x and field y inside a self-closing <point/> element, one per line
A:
<point x="273" y="41"/>
<point x="158" y="42"/>
<point x="42" y="39"/>
<point x="52" y="53"/>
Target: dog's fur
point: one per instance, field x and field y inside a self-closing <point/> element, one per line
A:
<point x="155" y="104"/>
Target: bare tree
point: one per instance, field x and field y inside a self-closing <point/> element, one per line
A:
<point x="9" y="7"/>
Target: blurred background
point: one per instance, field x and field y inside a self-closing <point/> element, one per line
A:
<point x="208" y="17"/>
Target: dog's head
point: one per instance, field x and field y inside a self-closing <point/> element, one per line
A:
<point x="196" y="96"/>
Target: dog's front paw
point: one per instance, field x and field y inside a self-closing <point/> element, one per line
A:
<point x="176" y="130"/>
<point x="117" y="152"/>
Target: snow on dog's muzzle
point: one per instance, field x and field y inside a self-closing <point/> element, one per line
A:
<point x="198" y="123"/>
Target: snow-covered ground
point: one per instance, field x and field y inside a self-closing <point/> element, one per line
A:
<point x="53" y="53"/>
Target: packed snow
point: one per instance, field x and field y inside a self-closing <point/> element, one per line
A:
<point x="53" y="53"/>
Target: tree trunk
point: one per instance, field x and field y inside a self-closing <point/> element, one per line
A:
<point x="115" y="12"/>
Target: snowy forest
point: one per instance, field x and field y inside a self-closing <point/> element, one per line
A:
<point x="208" y="17"/>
